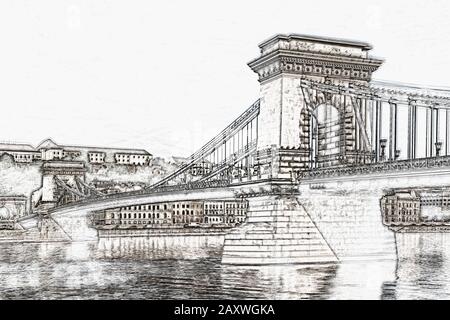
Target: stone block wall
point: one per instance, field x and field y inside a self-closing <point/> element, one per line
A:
<point x="351" y="222"/>
<point x="278" y="231"/>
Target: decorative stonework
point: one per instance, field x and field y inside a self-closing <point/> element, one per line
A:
<point x="314" y="56"/>
<point x="379" y="167"/>
<point x="63" y="168"/>
<point x="330" y="69"/>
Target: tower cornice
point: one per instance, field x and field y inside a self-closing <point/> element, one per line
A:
<point x="307" y="55"/>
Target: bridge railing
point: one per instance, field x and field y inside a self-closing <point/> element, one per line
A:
<point x="214" y="144"/>
<point x="379" y="167"/>
<point x="231" y="161"/>
<point x="196" y="185"/>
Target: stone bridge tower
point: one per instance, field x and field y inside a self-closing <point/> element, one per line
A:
<point x="302" y="127"/>
<point x="59" y="181"/>
<point x="314" y="128"/>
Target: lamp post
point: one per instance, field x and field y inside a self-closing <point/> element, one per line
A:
<point x="438" y="146"/>
<point x="383" y="147"/>
<point x="397" y="154"/>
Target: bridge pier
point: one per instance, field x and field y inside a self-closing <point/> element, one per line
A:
<point x="278" y="230"/>
<point x="304" y="129"/>
<point x="50" y="230"/>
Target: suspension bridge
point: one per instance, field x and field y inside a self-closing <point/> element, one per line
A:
<point x="313" y="156"/>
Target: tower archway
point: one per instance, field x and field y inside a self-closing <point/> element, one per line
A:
<point x="327" y="134"/>
<point x="324" y="130"/>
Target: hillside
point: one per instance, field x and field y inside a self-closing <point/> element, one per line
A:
<point x="23" y="179"/>
<point x="18" y="179"/>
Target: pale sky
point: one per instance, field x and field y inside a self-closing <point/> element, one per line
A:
<point x="167" y="76"/>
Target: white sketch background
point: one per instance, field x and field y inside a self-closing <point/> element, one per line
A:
<point x="167" y="76"/>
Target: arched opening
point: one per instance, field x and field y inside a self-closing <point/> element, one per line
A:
<point x="325" y="144"/>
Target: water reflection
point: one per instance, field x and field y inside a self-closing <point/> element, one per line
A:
<point x="190" y="268"/>
<point x="155" y="248"/>
<point x="423" y="266"/>
<point x="363" y="279"/>
<point x="277" y="282"/>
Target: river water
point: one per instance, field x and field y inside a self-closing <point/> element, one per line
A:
<point x="190" y="268"/>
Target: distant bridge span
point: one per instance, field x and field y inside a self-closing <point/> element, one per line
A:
<point x="80" y="209"/>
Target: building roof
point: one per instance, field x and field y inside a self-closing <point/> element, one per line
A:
<point x="406" y="195"/>
<point x="16" y="147"/>
<point x="50" y="144"/>
<point x="109" y="149"/>
<point x="47" y="144"/>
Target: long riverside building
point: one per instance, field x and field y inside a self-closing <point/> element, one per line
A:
<point x="49" y="150"/>
<point x="212" y="212"/>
